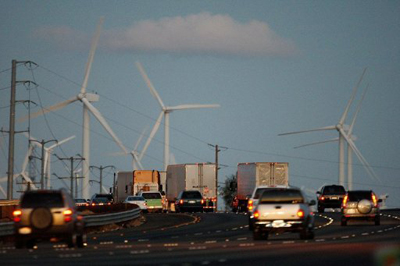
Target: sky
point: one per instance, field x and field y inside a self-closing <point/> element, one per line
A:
<point x="272" y="66"/>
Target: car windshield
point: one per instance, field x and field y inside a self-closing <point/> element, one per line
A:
<point x="359" y="195"/>
<point x="259" y="192"/>
<point x="191" y="195"/>
<point x="136" y="199"/>
<point x="34" y="200"/>
<point x="152" y="195"/>
<point x="101" y="200"/>
<point x="273" y="196"/>
<point x="80" y="200"/>
<point x="334" y="190"/>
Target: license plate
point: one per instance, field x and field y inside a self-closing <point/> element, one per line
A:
<point x="192" y="201"/>
<point x="336" y="198"/>
<point x="278" y="223"/>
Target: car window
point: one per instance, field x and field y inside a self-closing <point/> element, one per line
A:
<point x="258" y="193"/>
<point x="151" y="195"/>
<point x="334" y="190"/>
<point x="359" y="195"/>
<point x="136" y="198"/>
<point x="273" y="196"/>
<point x="103" y="200"/>
<point x="191" y="195"/>
<point x="80" y="200"/>
<point x="34" y="200"/>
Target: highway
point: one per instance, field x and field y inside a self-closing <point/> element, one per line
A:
<point x="219" y="239"/>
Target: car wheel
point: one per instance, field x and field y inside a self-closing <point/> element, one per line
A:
<point x="41" y="219"/>
<point x="377" y="220"/>
<point x="81" y="240"/>
<point x="71" y="240"/>
<point x="30" y="243"/>
<point x="257" y="234"/>
<point x="321" y="209"/>
<point x="19" y="242"/>
<point x="343" y="222"/>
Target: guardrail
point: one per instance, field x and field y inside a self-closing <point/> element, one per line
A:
<point x="90" y="220"/>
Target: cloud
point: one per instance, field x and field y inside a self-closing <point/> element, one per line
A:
<point x="202" y="33"/>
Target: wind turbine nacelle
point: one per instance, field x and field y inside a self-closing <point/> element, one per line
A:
<point x="91" y="97"/>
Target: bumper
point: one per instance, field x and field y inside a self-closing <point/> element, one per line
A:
<point x="282" y="225"/>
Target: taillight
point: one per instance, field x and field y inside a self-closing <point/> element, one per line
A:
<point x="322" y="198"/>
<point x="67" y="215"/>
<point x="202" y="201"/>
<point x="344" y="203"/>
<point x="181" y="201"/>
<point x="17" y="215"/>
<point x="250" y="205"/>
<point x="375" y="200"/>
<point x="256" y="214"/>
<point x="300" y="213"/>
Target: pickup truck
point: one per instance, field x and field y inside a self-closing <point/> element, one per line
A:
<point x="283" y="210"/>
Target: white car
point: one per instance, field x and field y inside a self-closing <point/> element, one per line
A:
<point x="138" y="200"/>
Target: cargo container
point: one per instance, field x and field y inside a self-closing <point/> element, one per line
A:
<point x="130" y="183"/>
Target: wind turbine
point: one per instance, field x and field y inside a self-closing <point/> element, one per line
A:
<point x="86" y="99"/>
<point x="343" y="136"/>
<point x="165" y="111"/>
<point x="47" y="157"/>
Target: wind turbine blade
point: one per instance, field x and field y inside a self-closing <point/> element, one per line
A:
<point x="359" y="156"/>
<point x="27" y="179"/>
<point x="60" y="142"/>
<point x="357" y="111"/>
<point x="152" y="133"/>
<point x="192" y="106"/>
<point x="136" y="158"/>
<point x="104" y="123"/>
<point x="309" y="130"/>
<point x="140" y="139"/>
<point x="346" y="110"/>
<point x="150" y="85"/>
<point x="48" y="109"/>
<point x="316" y="143"/>
<point x="2" y="191"/>
<point x="91" y="55"/>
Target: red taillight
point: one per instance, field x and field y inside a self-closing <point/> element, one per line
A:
<point x="181" y="201"/>
<point x="375" y="200"/>
<point x="202" y="201"/>
<point x="300" y="213"/>
<point x="17" y="215"/>
<point x="250" y="205"/>
<point x="322" y="198"/>
<point x="256" y="214"/>
<point x="67" y="215"/>
<point x="344" y="203"/>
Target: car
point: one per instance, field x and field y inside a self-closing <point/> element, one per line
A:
<point x="100" y="201"/>
<point x="138" y="200"/>
<point x="81" y="202"/>
<point x="253" y="201"/>
<point x="283" y="210"/>
<point x="153" y="199"/>
<point x="48" y="215"/>
<point x="360" y="205"/>
<point x="189" y="201"/>
<point x="330" y="196"/>
<point x="109" y="197"/>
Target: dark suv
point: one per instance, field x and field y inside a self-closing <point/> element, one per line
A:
<point x="48" y="215"/>
<point x="330" y="196"/>
<point x="360" y="205"/>
<point x="189" y="200"/>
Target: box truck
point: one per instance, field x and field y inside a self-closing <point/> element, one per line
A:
<point x="250" y="175"/>
<point x="130" y="183"/>
<point x="196" y="176"/>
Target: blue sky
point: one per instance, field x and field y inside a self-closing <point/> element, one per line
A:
<point x="273" y="66"/>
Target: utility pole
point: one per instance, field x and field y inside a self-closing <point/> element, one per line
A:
<point x="71" y="159"/>
<point x="101" y="168"/>
<point x="12" y="132"/>
<point x="42" y="143"/>
<point x="217" y="150"/>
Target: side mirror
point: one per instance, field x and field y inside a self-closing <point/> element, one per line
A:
<point x="318" y="192"/>
<point x="312" y="203"/>
<point x="379" y="200"/>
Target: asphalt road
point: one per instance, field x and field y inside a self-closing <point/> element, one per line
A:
<point x="221" y="239"/>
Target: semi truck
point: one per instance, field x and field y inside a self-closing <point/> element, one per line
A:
<point x="130" y="183"/>
<point x="250" y="175"/>
<point x="195" y="176"/>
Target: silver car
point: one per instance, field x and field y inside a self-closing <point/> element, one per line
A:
<point x="283" y="210"/>
<point x="138" y="200"/>
<point x="360" y="205"/>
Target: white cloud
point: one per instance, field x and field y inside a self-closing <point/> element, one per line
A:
<point x="202" y="33"/>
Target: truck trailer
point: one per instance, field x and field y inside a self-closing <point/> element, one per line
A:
<point x="130" y="183"/>
<point x="250" y="175"/>
<point x="196" y="176"/>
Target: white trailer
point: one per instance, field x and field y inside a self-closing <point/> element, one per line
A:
<point x="196" y="176"/>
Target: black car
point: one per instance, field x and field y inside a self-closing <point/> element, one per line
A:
<point x="189" y="201"/>
<point x="330" y="196"/>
